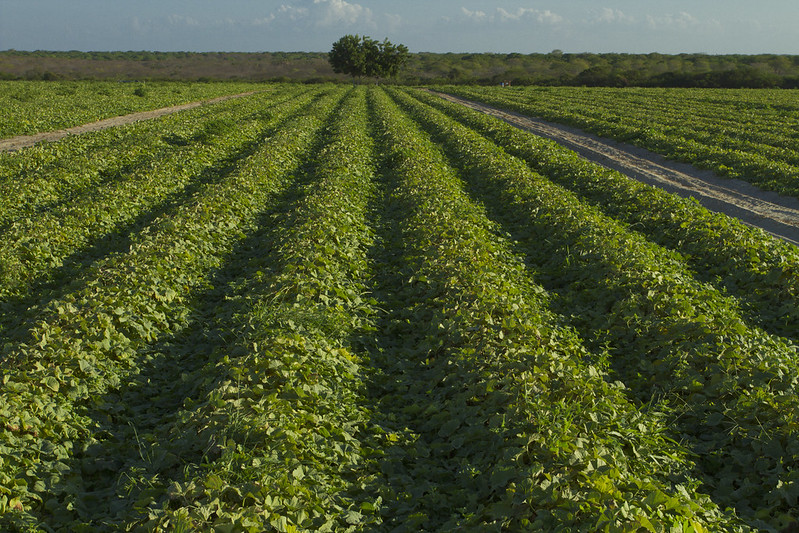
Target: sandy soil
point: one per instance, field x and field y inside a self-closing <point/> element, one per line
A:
<point x="778" y="215"/>
<point x="23" y="141"/>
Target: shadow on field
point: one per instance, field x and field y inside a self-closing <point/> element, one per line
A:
<point x="106" y="177"/>
<point x="78" y="268"/>
<point x="137" y="455"/>
<point x="730" y="464"/>
<point x="442" y="459"/>
<point x="110" y="148"/>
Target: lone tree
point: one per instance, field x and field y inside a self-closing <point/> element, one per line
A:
<point x="364" y="56"/>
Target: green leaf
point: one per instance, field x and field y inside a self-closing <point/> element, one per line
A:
<point x="449" y="427"/>
<point x="51" y="383"/>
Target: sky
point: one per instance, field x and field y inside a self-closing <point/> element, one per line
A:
<point x="504" y="26"/>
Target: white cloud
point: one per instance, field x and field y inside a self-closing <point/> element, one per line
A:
<point x="291" y="12"/>
<point x="548" y="17"/>
<point x="478" y="16"/>
<point x="610" y="16"/>
<point x="335" y="12"/>
<point x="284" y="13"/>
<point x="683" y="20"/>
<point x="504" y="15"/>
<point x="522" y="14"/>
<point x="263" y="21"/>
<point x="320" y="13"/>
<point x="180" y="20"/>
<point x="171" y="22"/>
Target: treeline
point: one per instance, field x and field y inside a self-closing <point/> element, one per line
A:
<point x="167" y="66"/>
<point x="740" y="76"/>
<point x="554" y="68"/>
<point x="609" y="70"/>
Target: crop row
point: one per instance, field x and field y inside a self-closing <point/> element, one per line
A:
<point x="65" y="366"/>
<point x="501" y="423"/>
<point x="753" y="267"/>
<point x="366" y="309"/>
<point x="671" y="338"/>
<point x="31" y="107"/>
<point x="285" y="419"/>
<point x="755" y="145"/>
<point x="57" y="172"/>
<point x="770" y="116"/>
<point x="49" y="217"/>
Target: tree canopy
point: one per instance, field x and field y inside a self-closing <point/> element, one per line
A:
<point x="363" y="56"/>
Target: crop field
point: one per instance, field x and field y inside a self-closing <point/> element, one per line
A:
<point x="337" y="308"/>
<point x="31" y="107"/>
<point x="746" y="134"/>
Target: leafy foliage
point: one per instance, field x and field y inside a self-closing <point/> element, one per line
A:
<point x="364" y="56"/>
<point x="34" y="106"/>
<point x="363" y="309"/>
<point x="670" y="337"/>
<point x="510" y="403"/>
<point x="748" y="135"/>
<point x="66" y="365"/>
<point x="755" y="268"/>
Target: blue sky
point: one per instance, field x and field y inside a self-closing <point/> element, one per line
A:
<point x="628" y="26"/>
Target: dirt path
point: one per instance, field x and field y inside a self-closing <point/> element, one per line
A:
<point x="778" y="215"/>
<point x="23" y="141"/>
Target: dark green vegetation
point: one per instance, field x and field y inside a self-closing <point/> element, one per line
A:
<point x="332" y="308"/>
<point x="555" y="68"/>
<point x="361" y="56"/>
<point x="746" y="134"/>
<point x="166" y="66"/>
<point x="34" y="106"/>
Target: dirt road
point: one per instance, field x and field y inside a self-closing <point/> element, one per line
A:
<point x="23" y="141"/>
<point x="778" y="215"/>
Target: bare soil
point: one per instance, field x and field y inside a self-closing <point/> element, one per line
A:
<point x="776" y="214"/>
<point x="23" y="141"/>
